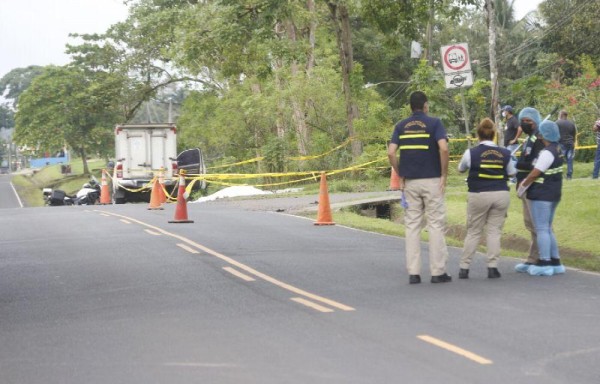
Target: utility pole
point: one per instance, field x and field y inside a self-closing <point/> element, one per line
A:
<point x="429" y="34"/>
<point x="495" y="110"/>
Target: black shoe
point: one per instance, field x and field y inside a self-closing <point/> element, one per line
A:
<point x="463" y="273"/>
<point x="441" y="278"/>
<point x="493" y="273"/>
<point x="414" y="279"/>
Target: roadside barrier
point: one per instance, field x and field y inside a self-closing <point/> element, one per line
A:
<point x="289" y="178"/>
<point x="104" y="190"/>
<point x="181" y="215"/>
<point x="324" y="213"/>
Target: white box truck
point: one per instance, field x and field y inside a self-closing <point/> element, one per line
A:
<point x="141" y="150"/>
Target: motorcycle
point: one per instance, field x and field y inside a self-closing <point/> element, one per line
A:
<point x="89" y="194"/>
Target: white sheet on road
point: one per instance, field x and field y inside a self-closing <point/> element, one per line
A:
<point x="244" y="190"/>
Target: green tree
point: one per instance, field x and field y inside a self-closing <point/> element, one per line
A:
<point x="17" y="81"/>
<point x="66" y="105"/>
<point x="571" y="28"/>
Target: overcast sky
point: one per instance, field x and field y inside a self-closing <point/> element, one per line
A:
<point x="34" y="32"/>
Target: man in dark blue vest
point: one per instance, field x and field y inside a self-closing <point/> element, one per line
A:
<point x="423" y="171"/>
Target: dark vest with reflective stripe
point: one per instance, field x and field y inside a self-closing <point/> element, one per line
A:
<point x="548" y="186"/>
<point x="488" y="169"/>
<point x="531" y="149"/>
<point x="419" y="150"/>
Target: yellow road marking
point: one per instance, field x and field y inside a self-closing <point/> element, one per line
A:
<point x="241" y="266"/>
<point x="200" y="365"/>
<point x="125" y="221"/>
<point x="189" y="249"/>
<point x="105" y="214"/>
<point x="238" y="274"/>
<point x="152" y="232"/>
<point x="312" y="305"/>
<point x="455" y="349"/>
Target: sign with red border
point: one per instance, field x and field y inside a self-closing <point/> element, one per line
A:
<point x="455" y="58"/>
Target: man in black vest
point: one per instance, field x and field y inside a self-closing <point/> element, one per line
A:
<point x="423" y="171"/>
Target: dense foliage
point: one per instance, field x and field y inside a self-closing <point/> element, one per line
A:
<point x="283" y="79"/>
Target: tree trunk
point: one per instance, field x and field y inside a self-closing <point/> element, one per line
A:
<point x="341" y="20"/>
<point x="298" y="112"/>
<point x="312" y="29"/>
<point x="495" y="110"/>
<point x="86" y="168"/>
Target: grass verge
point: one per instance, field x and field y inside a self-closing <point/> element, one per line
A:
<point x="29" y="186"/>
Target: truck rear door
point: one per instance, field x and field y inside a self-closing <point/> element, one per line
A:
<point x="138" y="164"/>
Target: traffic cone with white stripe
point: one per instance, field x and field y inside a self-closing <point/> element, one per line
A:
<point x="181" y="215"/>
<point x="104" y="191"/>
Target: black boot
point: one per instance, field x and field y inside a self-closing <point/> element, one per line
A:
<point x="441" y="278"/>
<point x="463" y="273"/>
<point x="414" y="279"/>
<point x="493" y="273"/>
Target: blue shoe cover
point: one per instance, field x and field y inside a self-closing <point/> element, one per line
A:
<point x="535" y="270"/>
<point x="558" y="269"/>
<point x="522" y="267"/>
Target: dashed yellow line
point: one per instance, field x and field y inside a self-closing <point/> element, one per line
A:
<point x="312" y="305"/>
<point x="454" y="349"/>
<point x="189" y="249"/>
<point x="237" y="264"/>
<point x="239" y="274"/>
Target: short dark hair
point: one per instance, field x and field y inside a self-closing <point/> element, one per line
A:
<point x="417" y="100"/>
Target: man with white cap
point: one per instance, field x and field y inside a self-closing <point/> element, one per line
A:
<point x="543" y="187"/>
<point x="512" y="133"/>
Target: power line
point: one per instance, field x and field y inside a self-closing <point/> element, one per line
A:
<point x="535" y="39"/>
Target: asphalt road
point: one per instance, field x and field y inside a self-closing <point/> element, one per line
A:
<point x="116" y="294"/>
<point x="8" y="195"/>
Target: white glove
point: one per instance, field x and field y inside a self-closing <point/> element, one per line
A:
<point x="521" y="190"/>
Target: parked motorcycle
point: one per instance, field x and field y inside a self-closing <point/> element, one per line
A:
<point x="89" y="194"/>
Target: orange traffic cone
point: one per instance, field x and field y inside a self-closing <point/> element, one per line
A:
<point x="324" y="214"/>
<point x="161" y="184"/>
<point x="181" y="209"/>
<point x="104" y="191"/>
<point x="155" y="200"/>
<point x="394" y="181"/>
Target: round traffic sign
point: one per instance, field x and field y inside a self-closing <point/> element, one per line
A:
<point x="456" y="57"/>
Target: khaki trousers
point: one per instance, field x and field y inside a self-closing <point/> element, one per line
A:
<point x="485" y="209"/>
<point x="533" y="255"/>
<point x="425" y="201"/>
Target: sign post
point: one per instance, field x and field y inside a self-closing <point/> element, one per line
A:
<point x="458" y="74"/>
